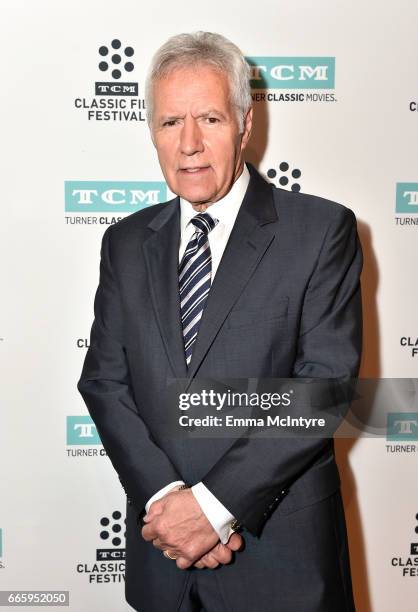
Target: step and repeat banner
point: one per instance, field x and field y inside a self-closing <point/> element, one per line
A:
<point x="335" y="91"/>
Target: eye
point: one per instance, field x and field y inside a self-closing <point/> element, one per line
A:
<point x="170" y="123"/>
<point x="212" y="120"/>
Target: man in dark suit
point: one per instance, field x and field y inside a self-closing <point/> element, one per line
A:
<point x="231" y="279"/>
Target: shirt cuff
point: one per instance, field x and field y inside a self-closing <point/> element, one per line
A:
<point x="218" y="516"/>
<point x="162" y="492"/>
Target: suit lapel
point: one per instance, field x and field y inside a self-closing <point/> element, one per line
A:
<point x="161" y="251"/>
<point x="249" y="240"/>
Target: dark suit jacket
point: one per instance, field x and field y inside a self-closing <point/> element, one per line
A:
<point x="285" y="302"/>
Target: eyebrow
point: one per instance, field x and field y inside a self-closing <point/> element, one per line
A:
<point x="211" y="110"/>
<point x="205" y="113"/>
<point x="165" y="118"/>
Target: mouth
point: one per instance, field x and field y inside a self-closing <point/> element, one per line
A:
<point x="195" y="171"/>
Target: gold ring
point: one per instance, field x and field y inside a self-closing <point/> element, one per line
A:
<point x="167" y="554"/>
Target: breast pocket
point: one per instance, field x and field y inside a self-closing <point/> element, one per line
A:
<point x="250" y="317"/>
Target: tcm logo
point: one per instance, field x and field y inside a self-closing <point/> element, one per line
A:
<point x="414" y="545"/>
<point x="112" y="530"/>
<point x="116" y="89"/>
<point x="402" y="426"/>
<point x="292" y="72"/>
<point x="115" y="60"/>
<point x="407" y="198"/>
<point x="81" y="430"/>
<point x="113" y="196"/>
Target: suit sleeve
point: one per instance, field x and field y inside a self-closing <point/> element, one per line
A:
<point x="329" y="346"/>
<point x="142" y="467"/>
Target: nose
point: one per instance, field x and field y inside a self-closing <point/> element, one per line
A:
<point x="191" y="137"/>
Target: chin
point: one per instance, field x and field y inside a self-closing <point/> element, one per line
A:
<point x="195" y="197"/>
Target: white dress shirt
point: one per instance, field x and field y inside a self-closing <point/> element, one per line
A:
<point x="225" y="210"/>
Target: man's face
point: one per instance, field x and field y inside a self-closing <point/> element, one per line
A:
<point x="196" y="133"/>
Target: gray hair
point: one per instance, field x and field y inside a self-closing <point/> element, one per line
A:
<point x="205" y="48"/>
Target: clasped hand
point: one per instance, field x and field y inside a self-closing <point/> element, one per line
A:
<point x="177" y="523"/>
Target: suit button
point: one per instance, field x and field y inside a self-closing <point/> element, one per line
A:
<point x="129" y="500"/>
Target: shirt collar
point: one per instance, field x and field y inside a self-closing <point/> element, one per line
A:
<point x="225" y="209"/>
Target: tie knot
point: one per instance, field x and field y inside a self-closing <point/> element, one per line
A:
<point x="204" y="222"/>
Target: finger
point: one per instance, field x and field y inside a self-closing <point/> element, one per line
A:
<point x="210" y="561"/>
<point x="235" y="541"/>
<point x="155" y="509"/>
<point x="221" y="553"/>
<point x="151" y="515"/>
<point x="158" y="544"/>
<point x="183" y="563"/>
<point x="200" y="565"/>
<point x="149" y="533"/>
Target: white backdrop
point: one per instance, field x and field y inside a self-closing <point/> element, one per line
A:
<point x="354" y="149"/>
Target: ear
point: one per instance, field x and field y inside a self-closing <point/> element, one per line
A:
<point x="248" y="124"/>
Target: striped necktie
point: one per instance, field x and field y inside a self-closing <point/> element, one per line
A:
<point x="195" y="272"/>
